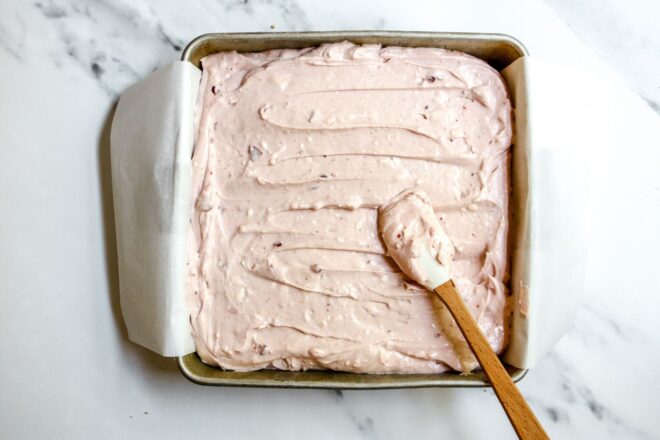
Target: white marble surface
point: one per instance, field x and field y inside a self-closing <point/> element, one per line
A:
<point x="66" y="369"/>
<point x="625" y="35"/>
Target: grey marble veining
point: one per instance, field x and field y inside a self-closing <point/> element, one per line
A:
<point x="118" y="42"/>
<point x="65" y="62"/>
<point x="115" y="43"/>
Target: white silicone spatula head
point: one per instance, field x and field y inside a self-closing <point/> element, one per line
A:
<point x="415" y="239"/>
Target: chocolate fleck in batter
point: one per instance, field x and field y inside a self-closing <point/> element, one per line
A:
<point x="296" y="151"/>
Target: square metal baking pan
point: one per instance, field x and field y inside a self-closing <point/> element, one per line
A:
<point x="496" y="49"/>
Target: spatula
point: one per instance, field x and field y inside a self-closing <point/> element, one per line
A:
<point x="520" y="414"/>
<point x="415" y="240"/>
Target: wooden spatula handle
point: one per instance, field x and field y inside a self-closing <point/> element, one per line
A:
<point x="520" y="414"/>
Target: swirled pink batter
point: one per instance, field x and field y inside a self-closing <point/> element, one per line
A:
<point x="297" y="149"/>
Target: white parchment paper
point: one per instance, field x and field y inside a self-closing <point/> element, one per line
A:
<point x="151" y="146"/>
<point x="549" y="191"/>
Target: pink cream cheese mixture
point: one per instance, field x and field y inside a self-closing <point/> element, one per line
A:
<point x="296" y="152"/>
